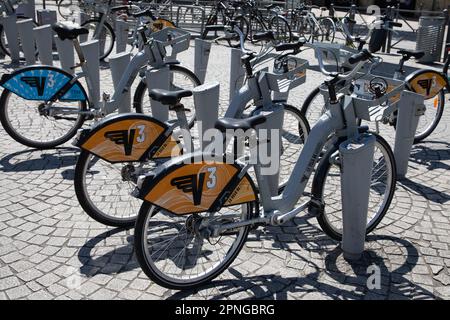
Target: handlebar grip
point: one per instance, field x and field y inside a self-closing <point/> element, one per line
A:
<point x="289" y="46"/>
<point x="395" y="24"/>
<point x="361" y="56"/>
<point x="268" y="36"/>
<point x="216" y="27"/>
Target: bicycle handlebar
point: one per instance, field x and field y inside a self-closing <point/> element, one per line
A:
<point x="362" y="56"/>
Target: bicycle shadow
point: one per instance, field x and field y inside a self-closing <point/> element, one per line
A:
<point x="37" y="160"/>
<point x="336" y="279"/>
<point x="354" y="286"/>
<point x="432" y="158"/>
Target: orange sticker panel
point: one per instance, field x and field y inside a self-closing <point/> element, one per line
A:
<point x="243" y="193"/>
<point x="428" y="84"/>
<point x="124" y="140"/>
<point x="192" y="187"/>
<point x="170" y="148"/>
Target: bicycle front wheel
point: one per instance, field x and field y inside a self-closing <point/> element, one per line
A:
<point x="31" y="122"/>
<point x="327" y="187"/>
<point x="105" y="36"/>
<point x="173" y="251"/>
<point x="434" y="108"/>
<point x="243" y="24"/>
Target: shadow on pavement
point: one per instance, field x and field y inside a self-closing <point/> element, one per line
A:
<point x="35" y="160"/>
<point x="339" y="279"/>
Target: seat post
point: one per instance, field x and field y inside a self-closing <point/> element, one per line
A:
<point x="78" y="50"/>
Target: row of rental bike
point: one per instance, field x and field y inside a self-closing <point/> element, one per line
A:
<point x="193" y="207"/>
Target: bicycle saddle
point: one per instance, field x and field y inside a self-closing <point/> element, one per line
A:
<point x="231" y="123"/>
<point x="167" y="97"/>
<point x="407" y="54"/>
<point x="66" y="31"/>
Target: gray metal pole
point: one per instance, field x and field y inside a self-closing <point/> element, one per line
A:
<point x="202" y="51"/>
<point x="158" y="79"/>
<point x="356" y="171"/>
<point x="118" y="63"/>
<point x="91" y="53"/>
<point x="66" y="54"/>
<point x="206" y="101"/>
<point x="82" y="18"/>
<point x="43" y="36"/>
<point x="25" y="28"/>
<point x="121" y="35"/>
<point x="9" y="23"/>
<point x="236" y="72"/>
<point x="410" y="108"/>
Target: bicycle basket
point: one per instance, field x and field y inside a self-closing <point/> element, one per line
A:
<point x="371" y="108"/>
<point x="335" y="54"/>
<point x="295" y="76"/>
<point x="177" y="38"/>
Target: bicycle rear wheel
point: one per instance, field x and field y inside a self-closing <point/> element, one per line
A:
<point x="174" y="253"/>
<point x="181" y="78"/>
<point x="281" y="29"/>
<point x="106" y="37"/>
<point x="327" y="187"/>
<point x="30" y="123"/>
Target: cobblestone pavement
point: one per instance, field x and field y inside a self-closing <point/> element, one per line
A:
<point x="50" y="249"/>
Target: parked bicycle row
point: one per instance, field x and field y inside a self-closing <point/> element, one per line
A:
<point x="193" y="206"/>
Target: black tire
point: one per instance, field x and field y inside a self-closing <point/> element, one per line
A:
<point x="318" y="186"/>
<point x="282" y="31"/>
<point x="13" y="132"/>
<point x="437" y="102"/>
<point x="289" y="154"/>
<point x="141" y="93"/>
<point x="3" y="46"/>
<point x="328" y="30"/>
<point x="83" y="195"/>
<point x="140" y="239"/>
<point x="244" y="26"/>
<point x="255" y="26"/>
<point x="311" y="112"/>
<point x="63" y="8"/>
<point x="109" y="29"/>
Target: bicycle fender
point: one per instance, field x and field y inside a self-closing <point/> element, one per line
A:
<point x="427" y="82"/>
<point x="189" y="184"/>
<point x="129" y="137"/>
<point x="43" y="83"/>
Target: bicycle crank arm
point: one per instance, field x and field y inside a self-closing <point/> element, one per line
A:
<point x="278" y="218"/>
<point x="54" y="111"/>
<point x="221" y="229"/>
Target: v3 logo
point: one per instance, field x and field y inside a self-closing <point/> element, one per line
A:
<point x="35" y="82"/>
<point x="126" y="137"/>
<point x="426" y="84"/>
<point x="194" y="183"/>
<point x="191" y="184"/>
